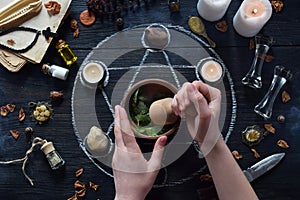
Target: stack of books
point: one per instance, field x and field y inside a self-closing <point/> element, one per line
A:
<point x="18" y="39"/>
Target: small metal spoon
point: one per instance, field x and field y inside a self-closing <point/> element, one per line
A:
<point x="197" y="26"/>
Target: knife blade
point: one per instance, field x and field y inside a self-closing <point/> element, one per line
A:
<point x="262" y="166"/>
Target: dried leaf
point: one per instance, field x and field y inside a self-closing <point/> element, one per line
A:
<point x="237" y="155"/>
<point x="255" y="153"/>
<point x="251" y="44"/>
<point x="11" y="107"/>
<point x="76" y="33"/>
<point x="80" y="193"/>
<point x="283" y="144"/>
<point x="11" y="42"/>
<point x="14" y="133"/>
<point x="74" y="197"/>
<point x="22" y="115"/>
<point x="285" y="97"/>
<point x="206" y="177"/>
<point x="78" y="185"/>
<point x="270" y="128"/>
<point x="277" y="5"/>
<point x="79" y="172"/>
<point x="93" y="186"/>
<point x="267" y="58"/>
<point x="4" y="111"/>
<point x="222" y="26"/>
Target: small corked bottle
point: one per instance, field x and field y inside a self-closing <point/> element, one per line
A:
<point x="53" y="157"/>
<point x="66" y="53"/>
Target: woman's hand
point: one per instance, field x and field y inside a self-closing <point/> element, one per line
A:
<point x="200" y="104"/>
<point x="133" y="174"/>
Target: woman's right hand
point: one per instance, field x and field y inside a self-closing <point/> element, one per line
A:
<point x="200" y="104"/>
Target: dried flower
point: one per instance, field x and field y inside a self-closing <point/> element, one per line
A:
<point x="79" y="172"/>
<point x="283" y="144"/>
<point x="74" y="197"/>
<point x="277" y="5"/>
<point x="53" y="7"/>
<point x="80" y="193"/>
<point x="22" y="115"/>
<point x="255" y="153"/>
<point x="206" y="177"/>
<point x="270" y="128"/>
<point x="222" y="26"/>
<point x="237" y="155"/>
<point x="78" y="185"/>
<point x="14" y="133"/>
<point x="11" y="107"/>
<point x="42" y="111"/>
<point x="73" y="24"/>
<point x="4" y="111"/>
<point x="251" y="44"/>
<point x="252" y="135"/>
<point x="11" y="42"/>
<point x="93" y="186"/>
<point x="285" y="97"/>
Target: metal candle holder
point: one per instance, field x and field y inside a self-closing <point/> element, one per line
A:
<point x="262" y="45"/>
<point x="265" y="106"/>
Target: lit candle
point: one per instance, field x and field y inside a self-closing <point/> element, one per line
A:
<point x="252" y="16"/>
<point x="210" y="70"/>
<point x="92" y="73"/>
<point x="212" y="10"/>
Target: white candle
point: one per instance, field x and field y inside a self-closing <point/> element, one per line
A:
<point x="251" y="17"/>
<point x="212" y="10"/>
<point x="210" y="70"/>
<point x="92" y="73"/>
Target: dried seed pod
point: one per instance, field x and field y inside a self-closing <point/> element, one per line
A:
<point x="270" y="128"/>
<point x="14" y="133"/>
<point x="28" y="130"/>
<point x="206" y="177"/>
<point x="283" y="144"/>
<point x="222" y="26"/>
<point x="237" y="155"/>
<point x="79" y="172"/>
<point x="22" y="115"/>
<point x="285" y="97"/>
<point x="255" y="153"/>
<point x="93" y="186"/>
<point x="281" y="118"/>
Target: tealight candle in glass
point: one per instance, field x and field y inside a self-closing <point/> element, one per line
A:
<point x="92" y="73"/>
<point x="210" y="70"/>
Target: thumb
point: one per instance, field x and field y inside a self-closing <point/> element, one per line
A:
<point x="157" y="154"/>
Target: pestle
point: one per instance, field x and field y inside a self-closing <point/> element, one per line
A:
<point x="161" y="112"/>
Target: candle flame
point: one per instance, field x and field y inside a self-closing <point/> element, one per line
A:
<point x="254" y="11"/>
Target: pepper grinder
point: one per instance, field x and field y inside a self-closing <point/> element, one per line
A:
<point x="161" y="112"/>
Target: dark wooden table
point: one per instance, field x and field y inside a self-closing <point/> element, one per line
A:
<point x="30" y="84"/>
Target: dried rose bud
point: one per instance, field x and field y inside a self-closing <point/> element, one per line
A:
<point x="56" y="95"/>
<point x="237" y="155"/>
<point x="206" y="177"/>
<point x="283" y="144"/>
<point x="14" y="133"/>
<point x="222" y="26"/>
<point x="270" y="128"/>
<point x="22" y="115"/>
<point x="255" y="153"/>
<point x="277" y="5"/>
<point x="79" y="172"/>
<point x="285" y="97"/>
<point x="93" y="186"/>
